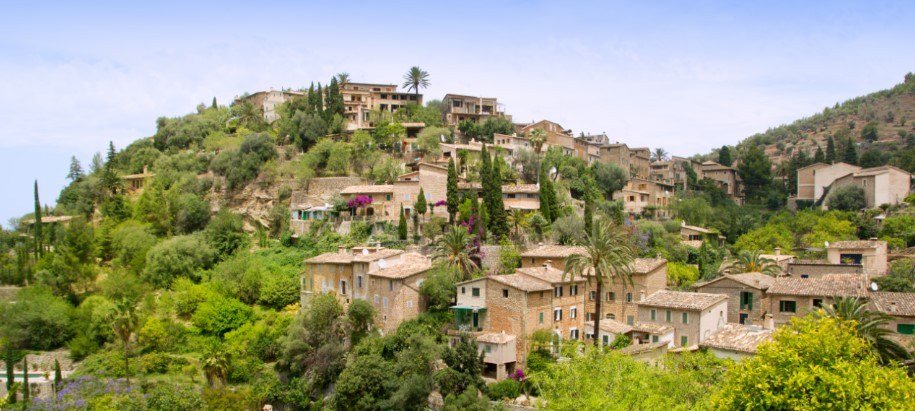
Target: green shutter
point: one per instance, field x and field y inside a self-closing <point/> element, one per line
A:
<point x="905" y="329"/>
<point x="750" y="301"/>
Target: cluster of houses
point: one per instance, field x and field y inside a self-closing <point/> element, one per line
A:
<point x="730" y="315"/>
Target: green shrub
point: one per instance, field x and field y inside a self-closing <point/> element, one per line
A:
<point x="220" y="315"/>
<point x="38" y="320"/>
<point x="160" y="363"/>
<point x="177" y="257"/>
<point x="507" y="389"/>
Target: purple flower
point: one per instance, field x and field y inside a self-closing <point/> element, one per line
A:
<point x="440" y="203"/>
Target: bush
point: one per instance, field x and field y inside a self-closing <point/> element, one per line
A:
<point x="226" y="233"/>
<point x="160" y="363"/>
<point x="173" y="397"/>
<point x="847" y="198"/>
<point x="38" y="320"/>
<point x="242" y="165"/>
<point x="177" y="257"/>
<point x="220" y="315"/>
<point x="507" y="389"/>
<point x="681" y="275"/>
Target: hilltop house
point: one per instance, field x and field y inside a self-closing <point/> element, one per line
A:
<point x="694" y="235"/>
<point x="268" y="101"/>
<point x="459" y="108"/>
<point x="360" y="99"/>
<point x="640" y="195"/>
<point x="726" y="178"/>
<point x="881" y="185"/>
<point x="693" y="316"/>
<point x="871" y="254"/>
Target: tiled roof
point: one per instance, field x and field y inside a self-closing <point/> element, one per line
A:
<point x="410" y="264"/>
<point x="697" y="228"/>
<point x="370" y="189"/>
<point x="652" y="328"/>
<point x="553" y="251"/>
<point x="646" y="265"/>
<point x="878" y="170"/>
<point x="858" y="244"/>
<point x="902" y="304"/>
<point x="747" y="279"/>
<point x="816" y="262"/>
<point x="350" y="256"/>
<point x="522" y="282"/>
<point x="520" y="188"/>
<point x="496" y="338"/>
<point x="640" y="348"/>
<point x="682" y="300"/>
<point x="829" y="285"/>
<point x="610" y="326"/>
<point x="738" y="337"/>
<point x="548" y="274"/>
<point x="777" y="258"/>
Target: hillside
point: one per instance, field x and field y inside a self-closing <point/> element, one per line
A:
<point x="890" y="111"/>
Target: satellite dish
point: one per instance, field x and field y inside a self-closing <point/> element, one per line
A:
<point x="365" y="251"/>
<point x="442" y="137"/>
<point x="382" y="263"/>
<point x="552" y="170"/>
<point x="827" y="244"/>
<point x="874" y="287"/>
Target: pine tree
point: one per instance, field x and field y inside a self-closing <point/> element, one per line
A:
<point x="39" y="238"/>
<point x="830" y="150"/>
<point x="452" y="193"/>
<point x="819" y="157"/>
<point x="214" y="106"/>
<point x="724" y="156"/>
<point x="76" y="169"/>
<point x="402" y="225"/>
<point x="546" y="193"/>
<point x="420" y="205"/>
<point x="850" y="154"/>
<point x="110" y="179"/>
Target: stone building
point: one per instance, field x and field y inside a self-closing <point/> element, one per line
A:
<point x="747" y="298"/>
<point x="640" y="195"/>
<point x="567" y="304"/>
<point x="871" y="254"/>
<point x="737" y="341"/>
<point x="268" y="101"/>
<point x="556" y="135"/>
<point x="881" y="185"/>
<point x="790" y="297"/>
<point x="819" y="268"/>
<point x="360" y="99"/>
<point x="726" y="178"/>
<point x="555" y="255"/>
<point x="620" y="301"/>
<point x="459" y="108"/>
<point x="693" y="316"/>
<point x="899" y="306"/>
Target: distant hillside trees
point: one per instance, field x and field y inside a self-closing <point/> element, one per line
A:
<point x="190" y="130"/>
<point x="756" y="171"/>
<point x="484" y="131"/>
<point x="724" y="156"/>
<point x="241" y="165"/>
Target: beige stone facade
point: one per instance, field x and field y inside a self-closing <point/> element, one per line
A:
<point x="477" y="109"/>
<point x="640" y="195"/>
<point x="819" y="268"/>
<point x="673" y="171"/>
<point x="899" y="306"/>
<point x="620" y="301"/>
<point x="268" y="101"/>
<point x="871" y="254"/>
<point x="881" y="185"/>
<point x="747" y="298"/>
<point x="359" y="99"/>
<point x="806" y="182"/>
<point x="693" y="316"/>
<point x="726" y="178"/>
<point x="790" y="297"/>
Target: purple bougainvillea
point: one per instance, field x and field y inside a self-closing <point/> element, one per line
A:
<point x="358" y="202"/>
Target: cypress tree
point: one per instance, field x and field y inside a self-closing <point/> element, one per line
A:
<point x="25" y="381"/>
<point x="9" y="360"/>
<point x="830" y="150"/>
<point x="319" y="101"/>
<point x="819" y="157"/>
<point x="724" y="156"/>
<point x="452" y="194"/>
<point x="498" y="223"/>
<point x="402" y="226"/>
<point x="850" y="154"/>
<point x="420" y="204"/>
<point x="214" y="106"/>
<point x="546" y="194"/>
<point x="312" y="100"/>
<point x="333" y="100"/>
<point x="58" y="376"/>
<point x="39" y="238"/>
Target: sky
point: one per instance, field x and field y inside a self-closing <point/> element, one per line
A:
<point x="685" y="76"/>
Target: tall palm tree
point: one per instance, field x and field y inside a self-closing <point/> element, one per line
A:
<point x="123" y="322"/>
<point x="659" y="154"/>
<point x="871" y="326"/>
<point x="607" y="259"/>
<point x="415" y="79"/>
<point x="343" y="78"/>
<point x="753" y="262"/>
<point x="537" y="138"/>
<point x="215" y="362"/>
<point x="454" y="247"/>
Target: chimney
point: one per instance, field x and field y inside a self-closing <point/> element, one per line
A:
<point x="145" y="170"/>
<point x="892" y="306"/>
<point x="769" y="322"/>
<point x="642" y="295"/>
<point x="757" y="284"/>
<point x="778" y="251"/>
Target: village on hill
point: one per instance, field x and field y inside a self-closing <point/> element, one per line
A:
<point x="358" y="246"/>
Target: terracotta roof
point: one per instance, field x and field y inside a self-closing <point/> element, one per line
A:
<point x="496" y="338"/>
<point x="738" y="337"/>
<point x="370" y="189"/>
<point x="640" y="348"/>
<point x="652" y="328"/>
<point x="522" y="282"/>
<point x="350" y="256"/>
<point x="829" y="285"/>
<point x="777" y="258"/>
<point x="548" y="274"/>
<point x="817" y="262"/>
<point x="699" y="229"/>
<point x="682" y="300"/>
<point x="520" y="188"/>
<point x="646" y="265"/>
<point x="755" y="280"/>
<point x="410" y="264"/>
<point x="610" y="326"/>
<point x="879" y="170"/>
<point x="553" y="251"/>
<point x="858" y="244"/>
<point x="902" y="304"/>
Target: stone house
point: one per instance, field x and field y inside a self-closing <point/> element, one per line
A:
<point x="899" y="306"/>
<point x="268" y="101"/>
<point x="640" y="163"/>
<point x="693" y="316"/>
<point x="136" y="182"/>
<point x="652" y="333"/>
<point x="620" y="301"/>
<point x="640" y="194"/>
<point x="609" y="330"/>
<point x="673" y="171"/>
<point x="819" y="268"/>
<point x="360" y="99"/>
<point x="871" y="254"/>
<point x="813" y="180"/>
<point x="726" y="178"/>
<point x="555" y="255"/>
<point x="459" y="108"/>
<point x="567" y="304"/>
<point x="881" y="185"/>
<point x="747" y="298"/>
<point x="790" y="296"/>
<point x="781" y="260"/>
<point x="692" y="233"/>
<point x="388" y="198"/>
<point x="736" y="341"/>
<point x="556" y="135"/>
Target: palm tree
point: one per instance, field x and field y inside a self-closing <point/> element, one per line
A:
<point x="416" y="78"/>
<point x="659" y="154"/>
<point x="537" y="138"/>
<point x="607" y="258"/>
<point x="754" y="262"/>
<point x="517" y="219"/>
<point x="215" y="362"/>
<point x="343" y="78"/>
<point x="454" y="247"/>
<point x="123" y="322"/>
<point x="248" y="114"/>
<point x="871" y="326"/>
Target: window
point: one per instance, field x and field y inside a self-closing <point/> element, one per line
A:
<point x="557" y="291"/>
<point x="573" y="333"/>
<point x="611" y="296"/>
<point x="359" y="281"/>
<point x="908" y="329"/>
<point x="654" y="338"/>
<point x="667" y="316"/>
<point x="592" y="295"/>
<point x="787" y="306"/>
<point x="384" y="302"/>
<point x="406" y="197"/>
<point x="805" y="275"/>
<point x="409" y="303"/>
<point x="573" y="289"/>
<point x="390" y="285"/>
<point x="817" y="303"/>
<point x="630" y="320"/>
<point x="475" y="291"/>
<point x="628" y="297"/>
<point x="611" y="316"/>
<point x="654" y="314"/>
<point x="541" y="317"/>
<point x="505" y="293"/>
<point x="589" y="316"/>
<point x="376" y="298"/>
<point x="387" y="197"/>
<point x="746" y="300"/>
<point x="463" y="290"/>
<point x="685" y="318"/>
<point x="487" y="348"/>
<point x="684" y="340"/>
<point x="573" y="312"/>
<point x="557" y="314"/>
<point x="606" y="339"/>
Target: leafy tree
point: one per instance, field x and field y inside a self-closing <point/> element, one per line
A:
<point x="831" y="156"/>
<point x="428" y="141"/>
<point x="819" y="157"/>
<point x="364" y="384"/>
<point x="610" y="178"/>
<point x="847" y="198"/>
<point x="218" y="316"/>
<point x="869" y="132"/>
<point x="455" y="249"/>
<point x="226" y="233"/>
<point x="313" y="343"/>
<point x="509" y="256"/>
<point x="756" y="171"/>
<point x="766" y="239"/>
<point x="38" y="321"/>
<point x="415" y="79"/>
<point x="724" y="156"/>
<point x="872" y="326"/>
<point x="465" y="366"/>
<point x="438" y="288"/>
<point x="193" y="213"/>
<point x="452" y="191"/>
<point x="333" y="101"/>
<point x="359" y="316"/>
<point x="177" y="257"/>
<point x="607" y="258"/>
<point x="845" y="373"/>
<point x="76" y="170"/>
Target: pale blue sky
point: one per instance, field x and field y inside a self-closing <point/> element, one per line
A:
<point x="683" y="76"/>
